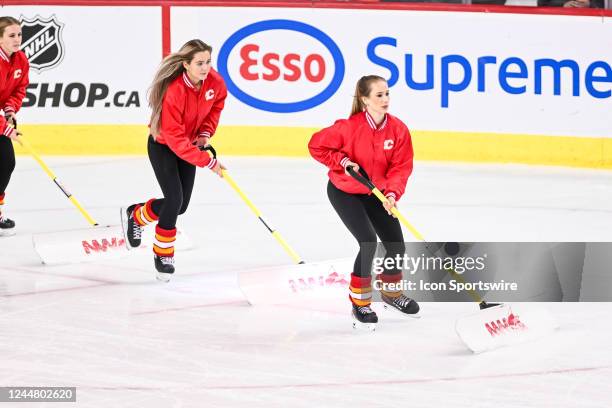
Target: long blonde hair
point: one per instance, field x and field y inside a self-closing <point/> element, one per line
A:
<point x="363" y="89"/>
<point x="170" y="68"/>
<point x="7" y="21"/>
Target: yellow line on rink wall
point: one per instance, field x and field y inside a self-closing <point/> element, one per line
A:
<point x="75" y="140"/>
<point x="509" y="148"/>
<point x="292" y="141"/>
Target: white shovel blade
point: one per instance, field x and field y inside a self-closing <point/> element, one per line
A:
<point x="83" y="245"/>
<point x="505" y="325"/>
<point x="92" y="244"/>
<point x="297" y="283"/>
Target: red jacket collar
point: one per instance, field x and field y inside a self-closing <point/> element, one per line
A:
<point x="188" y="82"/>
<point x="372" y="123"/>
<point x="3" y="55"/>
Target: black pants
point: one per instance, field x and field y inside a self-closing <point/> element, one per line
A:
<point x="365" y="217"/>
<point x="7" y="162"/>
<point x="175" y="177"/>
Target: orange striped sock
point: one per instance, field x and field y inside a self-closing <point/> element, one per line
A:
<point x="144" y="214"/>
<point x="390" y="278"/>
<point x="360" y="290"/>
<point x="1" y="202"/>
<point x="163" y="244"/>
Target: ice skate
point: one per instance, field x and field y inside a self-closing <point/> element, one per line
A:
<point x="364" y="318"/>
<point x="403" y="304"/>
<point x="7" y="227"/>
<point x="132" y="231"/>
<point x="165" y="267"/>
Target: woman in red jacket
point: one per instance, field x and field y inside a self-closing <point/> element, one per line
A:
<point x="187" y="97"/>
<point x="14" y="69"/>
<point x="380" y="144"/>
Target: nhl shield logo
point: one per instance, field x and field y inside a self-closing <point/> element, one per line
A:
<point x="42" y="42"/>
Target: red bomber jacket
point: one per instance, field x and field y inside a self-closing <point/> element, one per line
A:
<point x="384" y="152"/>
<point x="188" y="113"/>
<point x="14" y="71"/>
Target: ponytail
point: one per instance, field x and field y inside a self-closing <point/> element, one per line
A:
<point x="363" y="89"/>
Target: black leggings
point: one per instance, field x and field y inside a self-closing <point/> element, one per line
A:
<point x="175" y="177"/>
<point x="7" y="162"/>
<point x="365" y="217"/>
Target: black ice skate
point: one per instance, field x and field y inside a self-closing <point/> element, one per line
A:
<point x="364" y="318"/>
<point x="164" y="266"/>
<point x="132" y="232"/>
<point x="402" y="303"/>
<point x="7" y="227"/>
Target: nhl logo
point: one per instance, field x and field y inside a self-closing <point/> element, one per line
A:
<point x="42" y="42"/>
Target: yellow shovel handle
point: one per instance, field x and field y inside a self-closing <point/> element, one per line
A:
<point x="53" y="177"/>
<point x="253" y="208"/>
<point x="473" y="294"/>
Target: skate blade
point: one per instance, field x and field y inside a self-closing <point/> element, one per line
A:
<point x="8" y="233"/>
<point x="163" y="277"/>
<point x="413" y="315"/>
<point x="357" y="325"/>
<point x="122" y="212"/>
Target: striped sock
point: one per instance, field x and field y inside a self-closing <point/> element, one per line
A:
<point x="163" y="245"/>
<point x="360" y="290"/>
<point x="1" y="203"/>
<point x="144" y="215"/>
<point x="390" y="278"/>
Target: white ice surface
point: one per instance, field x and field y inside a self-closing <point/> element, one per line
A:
<point x="125" y="340"/>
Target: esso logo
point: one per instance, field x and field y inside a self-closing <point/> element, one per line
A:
<point x="281" y="66"/>
<point x="313" y="65"/>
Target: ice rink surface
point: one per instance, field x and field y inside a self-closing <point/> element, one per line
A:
<point x="126" y="340"/>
